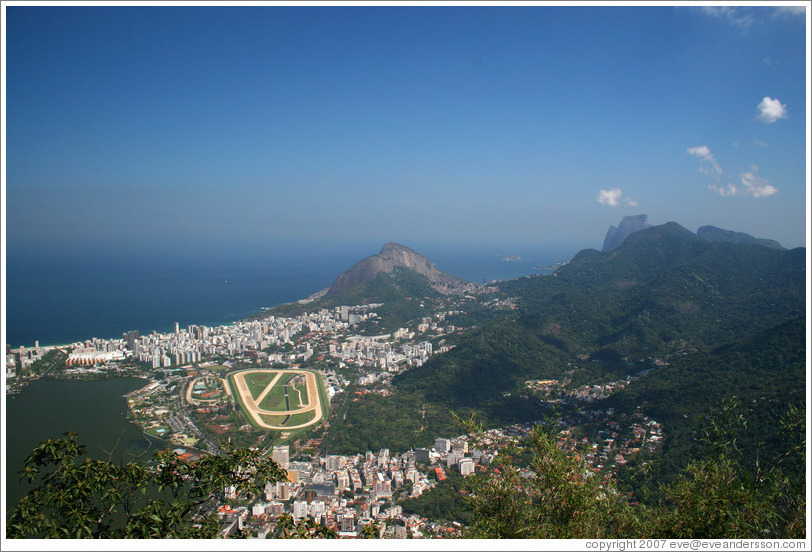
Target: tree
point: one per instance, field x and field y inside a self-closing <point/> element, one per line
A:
<point x="76" y="498"/>
<point x="288" y="528"/>
<point x="371" y="530"/>
<point x="560" y="498"/>
<point x="715" y="496"/>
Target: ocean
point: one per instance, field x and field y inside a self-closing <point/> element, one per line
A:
<point x="60" y="299"/>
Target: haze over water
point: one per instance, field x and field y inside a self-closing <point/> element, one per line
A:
<point x="59" y="299"/>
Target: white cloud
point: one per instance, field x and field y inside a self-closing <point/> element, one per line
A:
<point x="751" y="185"/>
<point x="709" y="165"/>
<point x="614" y="197"/>
<point x="760" y="143"/>
<point x="790" y="10"/>
<point x="729" y="190"/>
<point x="743" y="17"/>
<point x="736" y="16"/>
<point x="770" y="110"/>
<point x="755" y="185"/>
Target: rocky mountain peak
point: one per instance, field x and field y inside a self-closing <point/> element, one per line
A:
<point x="392" y="255"/>
<point x="628" y="226"/>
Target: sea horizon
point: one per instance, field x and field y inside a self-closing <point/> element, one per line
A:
<point x="57" y="300"/>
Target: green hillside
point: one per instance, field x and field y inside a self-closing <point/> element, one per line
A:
<point x="765" y="375"/>
<point x="402" y="292"/>
<point x="662" y="291"/>
<point x="405" y="294"/>
<point x="663" y="294"/>
<point x="665" y="284"/>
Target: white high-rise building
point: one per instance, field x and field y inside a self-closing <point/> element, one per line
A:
<point x="453" y="458"/>
<point x="317" y="508"/>
<point x="281" y="455"/>
<point x="342" y="480"/>
<point x="335" y="462"/>
<point x="466" y="466"/>
<point x="282" y="490"/>
<point x="347" y="522"/>
<point x="412" y="475"/>
<point x="300" y="509"/>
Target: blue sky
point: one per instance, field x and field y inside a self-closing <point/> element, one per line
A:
<point x="187" y="128"/>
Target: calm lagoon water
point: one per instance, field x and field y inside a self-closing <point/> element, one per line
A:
<point x="96" y="410"/>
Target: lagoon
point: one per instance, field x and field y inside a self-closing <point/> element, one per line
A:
<point x="96" y="410"/>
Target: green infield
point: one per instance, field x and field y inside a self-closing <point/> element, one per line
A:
<point x="258" y="381"/>
<point x="301" y="418"/>
<point x="292" y="420"/>
<point x="273" y="420"/>
<point x="261" y="395"/>
<point x="275" y="399"/>
<point x="298" y="394"/>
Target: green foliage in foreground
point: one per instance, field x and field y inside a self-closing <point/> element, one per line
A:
<point x="288" y="528"/>
<point x="556" y="496"/>
<point x="719" y="494"/>
<point x="76" y="498"/>
<point x="448" y="501"/>
<point x="560" y="497"/>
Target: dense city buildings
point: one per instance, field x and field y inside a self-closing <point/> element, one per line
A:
<point x="190" y="403"/>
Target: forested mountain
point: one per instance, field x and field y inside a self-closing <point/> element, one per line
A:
<point x="403" y="293"/>
<point x="664" y="293"/>
<point x="664" y="289"/>
<point x="666" y="284"/>
<point x="765" y="375"/>
<point x="403" y="280"/>
<point x="714" y="234"/>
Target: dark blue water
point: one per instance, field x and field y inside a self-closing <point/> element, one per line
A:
<point x="59" y="298"/>
<point x="95" y="410"/>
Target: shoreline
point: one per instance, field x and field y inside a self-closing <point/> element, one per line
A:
<point x="304" y="297"/>
<point x="49" y="347"/>
<point x="254" y="312"/>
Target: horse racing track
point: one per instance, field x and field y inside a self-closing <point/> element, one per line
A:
<point x="280" y="399"/>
